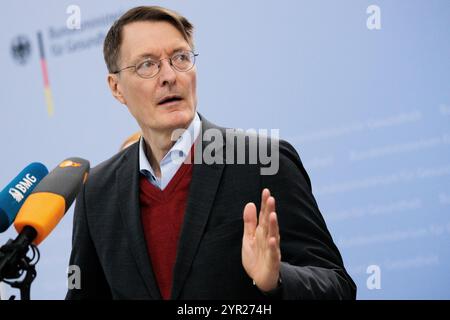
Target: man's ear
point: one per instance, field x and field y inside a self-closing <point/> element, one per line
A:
<point x="115" y="87"/>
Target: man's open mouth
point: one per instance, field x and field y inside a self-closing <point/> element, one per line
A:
<point x="169" y="99"/>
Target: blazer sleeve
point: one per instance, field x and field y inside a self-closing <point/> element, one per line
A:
<point x="311" y="267"/>
<point x="84" y="255"/>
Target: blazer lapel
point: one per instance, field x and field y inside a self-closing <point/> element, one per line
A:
<point x="127" y="181"/>
<point x="202" y="191"/>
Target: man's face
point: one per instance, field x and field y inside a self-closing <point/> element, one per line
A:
<point x="157" y="40"/>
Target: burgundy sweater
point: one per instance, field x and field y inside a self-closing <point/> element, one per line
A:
<point x="162" y="213"/>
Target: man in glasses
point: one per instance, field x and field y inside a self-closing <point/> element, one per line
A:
<point x="154" y="223"/>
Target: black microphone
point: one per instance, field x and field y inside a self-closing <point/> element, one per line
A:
<point x="38" y="216"/>
<point x="51" y="199"/>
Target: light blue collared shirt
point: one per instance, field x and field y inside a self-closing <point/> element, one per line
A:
<point x="173" y="160"/>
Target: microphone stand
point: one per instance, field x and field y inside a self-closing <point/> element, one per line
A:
<point x="14" y="262"/>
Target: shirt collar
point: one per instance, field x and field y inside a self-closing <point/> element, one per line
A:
<point x="179" y="150"/>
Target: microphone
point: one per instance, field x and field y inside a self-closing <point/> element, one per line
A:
<point x="51" y="199"/>
<point x="17" y="191"/>
<point x="38" y="216"/>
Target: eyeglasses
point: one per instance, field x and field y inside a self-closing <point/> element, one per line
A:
<point x="181" y="61"/>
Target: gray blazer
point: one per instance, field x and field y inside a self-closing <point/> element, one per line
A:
<point x="110" y="248"/>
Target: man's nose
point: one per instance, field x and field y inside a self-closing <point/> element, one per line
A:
<point x="167" y="74"/>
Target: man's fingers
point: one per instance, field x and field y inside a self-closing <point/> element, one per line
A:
<point x="274" y="248"/>
<point x="273" y="225"/>
<point x="270" y="207"/>
<point x="250" y="220"/>
<point x="264" y="196"/>
<point x="263" y="213"/>
<point x="264" y="220"/>
<point x="274" y="238"/>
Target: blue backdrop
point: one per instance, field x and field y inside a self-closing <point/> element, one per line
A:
<point x="368" y="110"/>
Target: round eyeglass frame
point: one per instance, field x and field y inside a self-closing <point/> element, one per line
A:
<point x="191" y="53"/>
